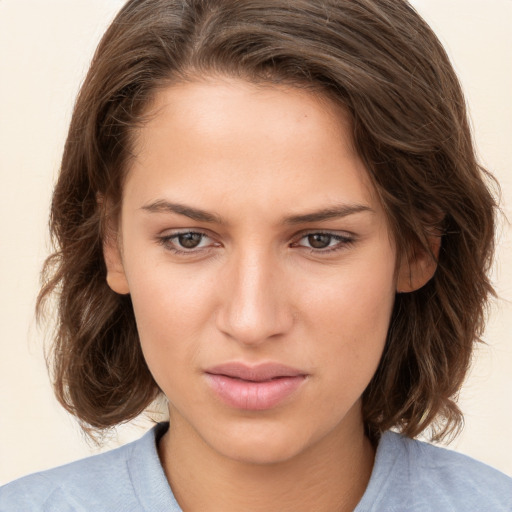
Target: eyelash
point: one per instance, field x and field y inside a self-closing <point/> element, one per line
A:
<point x="344" y="241"/>
<point x="167" y="242"/>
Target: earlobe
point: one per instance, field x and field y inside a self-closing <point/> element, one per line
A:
<point x="116" y="277"/>
<point x="418" y="267"/>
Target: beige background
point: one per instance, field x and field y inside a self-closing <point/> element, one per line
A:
<point x="45" y="48"/>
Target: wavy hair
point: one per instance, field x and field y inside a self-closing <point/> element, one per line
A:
<point x="381" y="61"/>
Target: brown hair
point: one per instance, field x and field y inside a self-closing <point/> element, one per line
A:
<point x="384" y="64"/>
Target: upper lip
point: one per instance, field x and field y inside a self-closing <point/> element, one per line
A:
<point x="256" y="373"/>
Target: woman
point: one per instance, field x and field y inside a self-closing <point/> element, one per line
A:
<point x="271" y="213"/>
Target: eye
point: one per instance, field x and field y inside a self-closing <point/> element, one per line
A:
<point x="186" y="242"/>
<point x="319" y="240"/>
<point x="189" y="240"/>
<point x="323" y="242"/>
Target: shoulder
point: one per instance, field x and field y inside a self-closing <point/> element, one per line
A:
<point x="101" y="482"/>
<point x="457" y="475"/>
<point x="68" y="487"/>
<point x="426" y="477"/>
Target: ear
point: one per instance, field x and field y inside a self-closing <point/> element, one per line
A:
<point x="418" y="266"/>
<point x="116" y="277"/>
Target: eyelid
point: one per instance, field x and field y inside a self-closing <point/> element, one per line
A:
<point x="166" y="240"/>
<point x="344" y="239"/>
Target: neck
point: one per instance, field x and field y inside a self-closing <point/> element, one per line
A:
<point x="331" y="475"/>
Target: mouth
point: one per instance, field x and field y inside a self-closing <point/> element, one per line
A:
<point x="256" y="388"/>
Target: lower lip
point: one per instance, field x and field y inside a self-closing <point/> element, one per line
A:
<point x="253" y="396"/>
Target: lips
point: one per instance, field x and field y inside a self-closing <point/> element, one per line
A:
<point x="254" y="388"/>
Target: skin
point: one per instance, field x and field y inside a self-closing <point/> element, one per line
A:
<point x="254" y="290"/>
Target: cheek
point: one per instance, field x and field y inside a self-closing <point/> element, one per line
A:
<point x="166" y="297"/>
<point x="359" y="297"/>
<point x="350" y="315"/>
<point x="172" y="307"/>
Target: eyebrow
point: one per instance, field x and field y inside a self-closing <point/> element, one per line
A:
<point x="163" y="206"/>
<point x="335" y="212"/>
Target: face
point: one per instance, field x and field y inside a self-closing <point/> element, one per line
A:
<point x="260" y="266"/>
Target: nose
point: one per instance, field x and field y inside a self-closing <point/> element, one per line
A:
<point x="254" y="301"/>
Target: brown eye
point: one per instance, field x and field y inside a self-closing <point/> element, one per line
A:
<point x="319" y="240"/>
<point x="324" y="243"/>
<point x="189" y="240"/>
<point x="188" y="243"/>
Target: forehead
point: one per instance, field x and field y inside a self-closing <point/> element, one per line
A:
<point x="219" y="139"/>
<point x="223" y="110"/>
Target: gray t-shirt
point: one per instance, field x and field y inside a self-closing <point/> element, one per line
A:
<point x="408" y="476"/>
